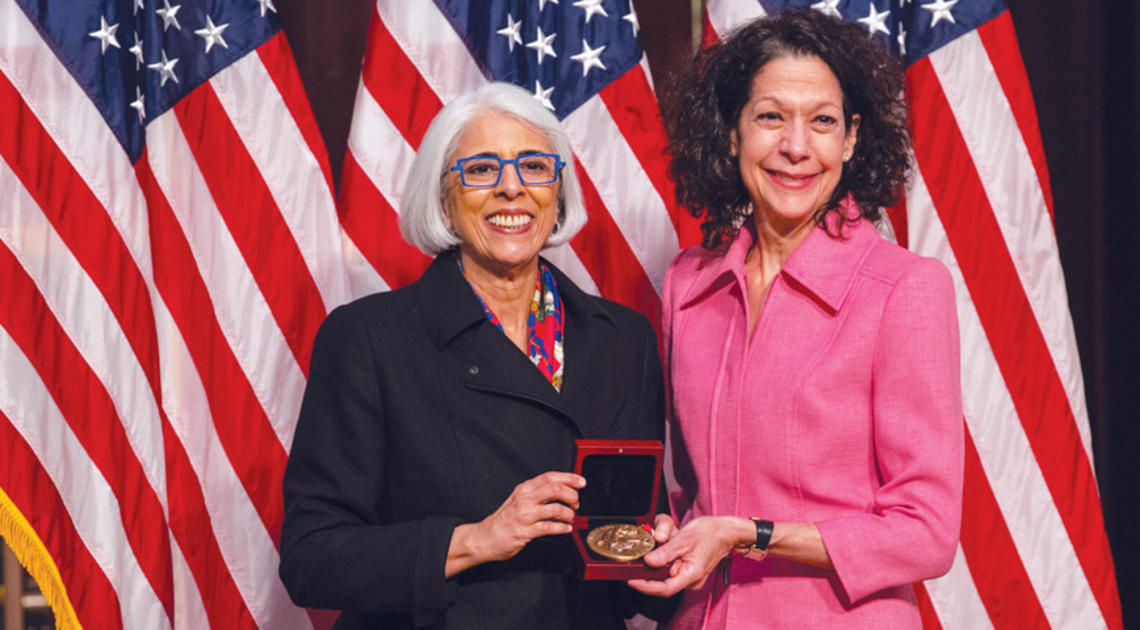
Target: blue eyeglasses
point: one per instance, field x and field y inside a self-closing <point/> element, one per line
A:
<point x="484" y="171"/>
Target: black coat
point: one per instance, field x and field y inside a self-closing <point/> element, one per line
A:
<point x="420" y="415"/>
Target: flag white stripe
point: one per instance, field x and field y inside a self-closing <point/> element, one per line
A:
<point x="271" y="136"/>
<point x="362" y="276"/>
<point x="644" y="65"/>
<point x="242" y="542"/>
<point x="189" y="610"/>
<point x="379" y="147"/>
<point x="433" y="46"/>
<point x="242" y="312"/>
<point x="955" y="598"/>
<point x="1007" y="173"/>
<point x="566" y="259"/>
<point x="89" y="500"/>
<point x="630" y="197"/>
<point x="725" y="15"/>
<point x="1007" y="458"/>
<point x="87" y="320"/>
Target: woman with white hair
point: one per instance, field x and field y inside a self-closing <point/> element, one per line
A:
<point x="428" y="484"/>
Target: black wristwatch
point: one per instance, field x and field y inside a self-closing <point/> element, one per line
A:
<point x="758" y="550"/>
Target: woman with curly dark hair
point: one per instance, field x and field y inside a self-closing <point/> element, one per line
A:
<point x="813" y="366"/>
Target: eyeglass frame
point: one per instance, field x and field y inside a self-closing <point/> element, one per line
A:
<point x="558" y="164"/>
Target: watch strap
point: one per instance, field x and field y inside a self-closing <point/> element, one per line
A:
<point x="758" y="550"/>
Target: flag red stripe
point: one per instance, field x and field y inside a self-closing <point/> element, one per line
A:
<point x="1000" y="42"/>
<point x="251" y="215"/>
<point x="277" y="58"/>
<point x="1012" y="330"/>
<point x="30" y="488"/>
<point x="626" y="99"/>
<point x="376" y="231"/>
<point x="708" y="33"/>
<point x="604" y="252"/>
<point x="241" y="424"/>
<point x="81" y="222"/>
<point x="995" y="566"/>
<point x="396" y="85"/>
<point x="91" y="414"/>
<point x="926" y="608"/>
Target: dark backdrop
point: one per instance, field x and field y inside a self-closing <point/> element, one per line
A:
<point x="1081" y="58"/>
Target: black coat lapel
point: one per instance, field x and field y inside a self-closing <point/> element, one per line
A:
<point x="497" y="366"/>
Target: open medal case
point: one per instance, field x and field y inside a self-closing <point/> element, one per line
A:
<point x="623" y="480"/>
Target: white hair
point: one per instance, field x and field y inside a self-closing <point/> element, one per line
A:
<point x="422" y="219"/>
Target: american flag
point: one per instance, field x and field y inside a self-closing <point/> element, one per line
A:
<point x="168" y="247"/>
<point x="1033" y="550"/>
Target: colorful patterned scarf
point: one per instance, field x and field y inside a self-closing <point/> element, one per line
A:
<point x="544" y="324"/>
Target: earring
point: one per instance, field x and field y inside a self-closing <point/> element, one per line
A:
<point x="846" y="157"/>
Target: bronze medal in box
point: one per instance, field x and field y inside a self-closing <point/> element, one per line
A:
<point x="613" y="523"/>
<point x="620" y="541"/>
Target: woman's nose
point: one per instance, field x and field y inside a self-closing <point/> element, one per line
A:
<point x="510" y="183"/>
<point x="794" y="143"/>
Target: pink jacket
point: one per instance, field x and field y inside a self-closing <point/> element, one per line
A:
<point x="844" y="410"/>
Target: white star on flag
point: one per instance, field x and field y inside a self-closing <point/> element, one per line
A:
<point x="591" y="7"/>
<point x="542" y="44"/>
<point x="138" y="4"/>
<point x="212" y="34"/>
<point x="875" y="21"/>
<point x="902" y="39"/>
<point x="139" y="104"/>
<point x="940" y="10"/>
<point x="136" y="50"/>
<point x="543" y="95"/>
<point x="165" y="68"/>
<point x="542" y="3"/>
<point x="631" y="17"/>
<point x="267" y="4"/>
<point x="828" y="7"/>
<point x="106" y="35"/>
<point x="589" y="57"/>
<point x="168" y="13"/>
<point x="511" y="32"/>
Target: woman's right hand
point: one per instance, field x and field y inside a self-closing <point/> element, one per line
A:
<point x="693" y="552"/>
<point x="541" y="506"/>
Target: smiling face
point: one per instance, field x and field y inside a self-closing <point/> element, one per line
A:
<point x="502" y="228"/>
<point x="791" y="140"/>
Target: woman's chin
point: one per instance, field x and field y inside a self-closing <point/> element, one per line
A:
<point x="785" y="218"/>
<point x="508" y="261"/>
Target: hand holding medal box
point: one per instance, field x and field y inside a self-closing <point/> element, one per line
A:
<point x="614" y="522"/>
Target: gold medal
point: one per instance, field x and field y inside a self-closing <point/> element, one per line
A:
<point x="620" y="541"/>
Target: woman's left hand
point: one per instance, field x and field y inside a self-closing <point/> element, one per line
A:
<point x="693" y="552"/>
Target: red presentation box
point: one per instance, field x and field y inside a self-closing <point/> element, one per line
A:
<point x="623" y="480"/>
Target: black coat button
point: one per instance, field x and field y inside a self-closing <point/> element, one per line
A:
<point x="473" y="370"/>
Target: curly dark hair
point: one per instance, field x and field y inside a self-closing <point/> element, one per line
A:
<point x="704" y="104"/>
